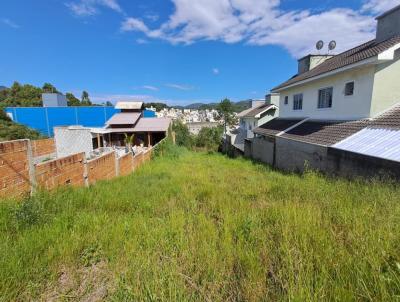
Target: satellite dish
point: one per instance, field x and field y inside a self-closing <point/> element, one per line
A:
<point x="319" y="45"/>
<point x="332" y="45"/>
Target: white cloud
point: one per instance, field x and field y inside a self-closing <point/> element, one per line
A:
<point x="263" y="22"/>
<point x="10" y="23"/>
<point x="149" y="87"/>
<point x="142" y="41"/>
<point x="379" y="6"/>
<point x="180" y="87"/>
<point x="85" y="8"/>
<point x="215" y="71"/>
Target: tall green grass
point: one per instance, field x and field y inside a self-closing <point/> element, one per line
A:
<point x="202" y="227"/>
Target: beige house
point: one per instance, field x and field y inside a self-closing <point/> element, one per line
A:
<point x="359" y="83"/>
<point x="341" y="113"/>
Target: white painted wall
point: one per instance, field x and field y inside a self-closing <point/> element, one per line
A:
<point x="344" y="107"/>
<point x="386" y="92"/>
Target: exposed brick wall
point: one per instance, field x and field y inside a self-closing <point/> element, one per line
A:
<point x="43" y="147"/>
<point x="126" y="164"/>
<point x="59" y="172"/>
<point x="17" y="169"/>
<point x="137" y="161"/>
<point x="101" y="168"/>
<point x="14" y="168"/>
<point x="147" y="155"/>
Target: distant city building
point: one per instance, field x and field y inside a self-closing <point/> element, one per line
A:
<point x="54" y="100"/>
<point x="194" y="128"/>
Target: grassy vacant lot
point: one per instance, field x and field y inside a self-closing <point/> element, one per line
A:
<point x="197" y="226"/>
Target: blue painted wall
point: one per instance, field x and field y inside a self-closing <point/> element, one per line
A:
<point x="44" y="119"/>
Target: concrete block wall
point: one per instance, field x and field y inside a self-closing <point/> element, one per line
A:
<point x="68" y="170"/>
<point x="262" y="149"/>
<point x="15" y="168"/>
<point x="103" y="167"/>
<point x="125" y="164"/>
<point x="43" y="147"/>
<point x="295" y="156"/>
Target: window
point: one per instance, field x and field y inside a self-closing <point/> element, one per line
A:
<point x="349" y="89"/>
<point x="298" y="102"/>
<point x="286" y="100"/>
<point x="325" y="98"/>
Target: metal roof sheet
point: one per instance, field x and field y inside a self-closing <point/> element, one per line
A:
<point x="124" y="118"/>
<point x="378" y="142"/>
<point x="129" y="105"/>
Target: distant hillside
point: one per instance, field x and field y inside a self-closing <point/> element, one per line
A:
<point x="238" y="106"/>
<point x="3" y="88"/>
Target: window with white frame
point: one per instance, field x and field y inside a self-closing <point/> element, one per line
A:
<point x="298" y="101"/>
<point x="325" y="97"/>
<point x="349" y="89"/>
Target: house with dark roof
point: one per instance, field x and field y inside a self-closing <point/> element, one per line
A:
<point x="260" y="112"/>
<point x="331" y="100"/>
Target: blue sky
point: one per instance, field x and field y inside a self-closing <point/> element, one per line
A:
<point x="179" y="51"/>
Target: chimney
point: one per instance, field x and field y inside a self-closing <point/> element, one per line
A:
<point x="272" y="99"/>
<point x="311" y="61"/>
<point x="388" y="24"/>
<point x="256" y="103"/>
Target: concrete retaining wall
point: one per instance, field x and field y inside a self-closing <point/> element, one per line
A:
<point x="295" y="156"/>
<point x="263" y="149"/>
<point x="349" y="164"/>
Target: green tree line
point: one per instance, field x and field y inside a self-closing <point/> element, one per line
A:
<point x="26" y="95"/>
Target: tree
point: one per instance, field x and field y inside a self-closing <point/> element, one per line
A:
<point x="226" y="113"/>
<point x="85" y="101"/>
<point x="49" y="88"/>
<point x="108" y="103"/>
<point x="209" y="138"/>
<point x="72" y="100"/>
<point x="183" y="137"/>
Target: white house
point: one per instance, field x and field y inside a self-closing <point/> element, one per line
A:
<point x="359" y="83"/>
<point x="260" y="112"/>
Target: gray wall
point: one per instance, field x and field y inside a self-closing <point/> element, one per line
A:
<point x="349" y="164"/>
<point x="296" y="156"/>
<point x="388" y="26"/>
<point x="293" y="155"/>
<point x="263" y="149"/>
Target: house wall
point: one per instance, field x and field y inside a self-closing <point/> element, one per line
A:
<point x="101" y="168"/>
<point x="386" y="91"/>
<point x="344" y="107"/>
<point x="14" y="168"/>
<point x="60" y="172"/>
